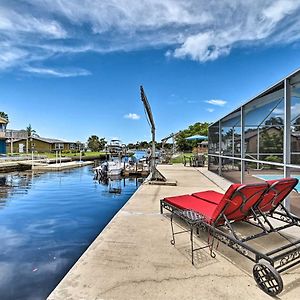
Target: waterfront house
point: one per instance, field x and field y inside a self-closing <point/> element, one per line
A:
<point x="41" y="144"/>
<point x="3" y="124"/>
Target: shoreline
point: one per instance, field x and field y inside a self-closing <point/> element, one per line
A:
<point x="132" y="257"/>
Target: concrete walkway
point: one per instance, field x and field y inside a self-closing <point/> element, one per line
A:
<point x="133" y="258"/>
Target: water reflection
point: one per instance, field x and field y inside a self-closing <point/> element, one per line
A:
<point x="15" y="183"/>
<point x="46" y="223"/>
<point x="115" y="184"/>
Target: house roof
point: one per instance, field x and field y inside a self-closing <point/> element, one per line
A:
<point x="46" y="140"/>
<point x="49" y="140"/>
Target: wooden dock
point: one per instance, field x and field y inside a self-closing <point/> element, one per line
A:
<point x="142" y="173"/>
<point x="136" y="170"/>
<point x="60" y="166"/>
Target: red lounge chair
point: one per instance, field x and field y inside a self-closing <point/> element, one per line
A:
<point x="234" y="205"/>
<point x="267" y="207"/>
<point x="278" y="190"/>
<point x="214" y="212"/>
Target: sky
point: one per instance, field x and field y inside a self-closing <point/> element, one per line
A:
<point x="73" y="68"/>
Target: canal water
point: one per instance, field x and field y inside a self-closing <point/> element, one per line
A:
<point x="46" y="222"/>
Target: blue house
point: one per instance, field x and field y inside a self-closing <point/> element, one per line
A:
<point x="3" y="123"/>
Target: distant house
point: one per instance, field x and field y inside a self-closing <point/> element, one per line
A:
<point x="251" y="138"/>
<point x="41" y="144"/>
<point x="3" y="124"/>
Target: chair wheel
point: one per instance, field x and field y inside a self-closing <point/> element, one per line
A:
<point x="267" y="278"/>
<point x="172" y="242"/>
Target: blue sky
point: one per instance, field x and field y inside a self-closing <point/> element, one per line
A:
<point x="73" y="68"/>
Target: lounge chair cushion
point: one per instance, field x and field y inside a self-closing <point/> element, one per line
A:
<point x="203" y="207"/>
<point x="182" y="201"/>
<point x="279" y="190"/>
<point x="216" y="197"/>
<point x="210" y="196"/>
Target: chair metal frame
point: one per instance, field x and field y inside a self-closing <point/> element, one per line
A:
<point x="268" y="265"/>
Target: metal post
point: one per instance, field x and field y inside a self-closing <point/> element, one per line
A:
<point x="155" y="174"/>
<point x="153" y="151"/>
<point x="233" y="147"/>
<point x="173" y="146"/>
<point x="31" y="151"/>
<point x="11" y="143"/>
<point x="257" y="149"/>
<point x="242" y="144"/>
<point x="220" y="148"/>
<point x="287" y="134"/>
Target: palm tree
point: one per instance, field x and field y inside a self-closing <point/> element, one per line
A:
<point x="30" y="133"/>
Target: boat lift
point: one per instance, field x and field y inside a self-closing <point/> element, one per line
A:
<point x="170" y="136"/>
<point x="155" y="175"/>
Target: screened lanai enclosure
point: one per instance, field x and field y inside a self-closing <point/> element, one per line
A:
<point x="261" y="139"/>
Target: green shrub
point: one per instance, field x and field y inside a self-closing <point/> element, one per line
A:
<point x="273" y="158"/>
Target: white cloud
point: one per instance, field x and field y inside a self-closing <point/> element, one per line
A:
<point x="278" y="111"/>
<point x="132" y="116"/>
<point x="202" y="47"/>
<point x="210" y="110"/>
<point x="201" y="30"/>
<point x="11" y="56"/>
<point x="295" y="109"/>
<point x="249" y="23"/>
<point x="13" y="22"/>
<point x="57" y="73"/>
<point x="216" y="102"/>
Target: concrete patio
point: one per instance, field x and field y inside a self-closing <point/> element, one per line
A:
<point x="133" y="259"/>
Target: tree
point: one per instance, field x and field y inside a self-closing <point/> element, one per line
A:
<point x="274" y="121"/>
<point x="95" y="144"/>
<point x="4" y="115"/>
<point x="79" y="146"/>
<point x="131" y="146"/>
<point x="183" y="144"/>
<point x="102" y="143"/>
<point x="195" y="129"/>
<point x="30" y="133"/>
<point x="272" y="142"/>
<point x="144" y="145"/>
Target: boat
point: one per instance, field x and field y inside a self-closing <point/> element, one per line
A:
<point x="115" y="168"/>
<point x="109" y="168"/>
<point x="116" y="148"/>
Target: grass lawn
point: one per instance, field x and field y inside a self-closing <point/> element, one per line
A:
<point x="179" y="159"/>
<point x="77" y="154"/>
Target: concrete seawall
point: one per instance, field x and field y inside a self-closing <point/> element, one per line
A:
<point x="133" y="259"/>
